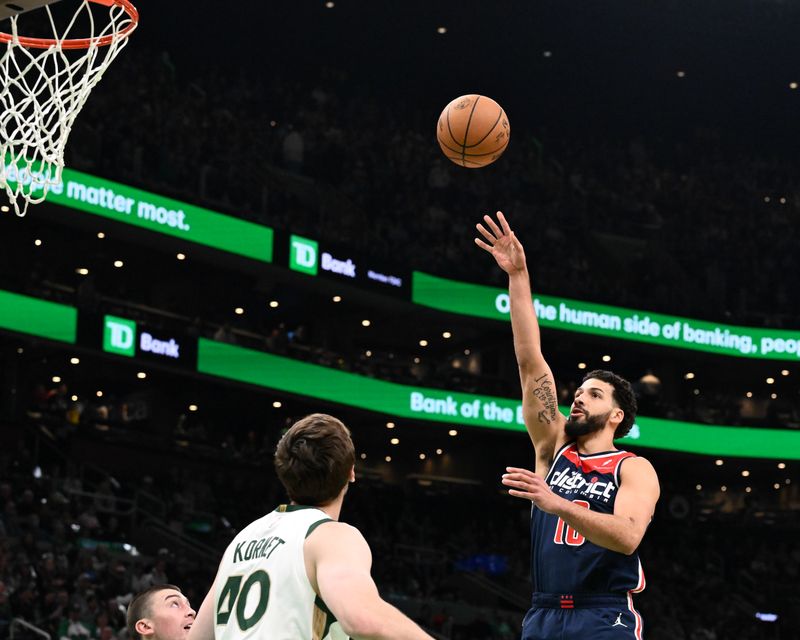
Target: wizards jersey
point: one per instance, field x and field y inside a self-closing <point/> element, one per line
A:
<point x="562" y="560"/>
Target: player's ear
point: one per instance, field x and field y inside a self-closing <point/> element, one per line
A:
<point x="352" y="477"/>
<point x="144" y="627"/>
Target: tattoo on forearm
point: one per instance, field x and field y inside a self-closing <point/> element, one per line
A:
<point x="545" y="394"/>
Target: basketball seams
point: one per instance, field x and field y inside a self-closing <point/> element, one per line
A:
<point x="488" y="133"/>
<point x="466" y="130"/>
<point x="474" y="155"/>
<point x="449" y="130"/>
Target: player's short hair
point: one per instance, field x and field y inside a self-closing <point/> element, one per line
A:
<point x="623" y="396"/>
<point x="314" y="458"/>
<point x="140" y="607"/>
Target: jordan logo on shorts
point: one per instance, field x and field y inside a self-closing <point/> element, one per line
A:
<point x="618" y="622"/>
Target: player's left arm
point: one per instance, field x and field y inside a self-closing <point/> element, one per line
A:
<point x="203" y="625"/>
<point x="621" y="531"/>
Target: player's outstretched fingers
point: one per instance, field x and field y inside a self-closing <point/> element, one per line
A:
<point x="492" y="225"/>
<point x="483" y="245"/>
<point x="482" y="230"/>
<point x="504" y="223"/>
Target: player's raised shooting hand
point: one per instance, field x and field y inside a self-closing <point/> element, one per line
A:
<point x="528" y="486"/>
<point x="502" y="244"/>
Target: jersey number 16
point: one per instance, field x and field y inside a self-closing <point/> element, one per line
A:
<point x="566" y="534"/>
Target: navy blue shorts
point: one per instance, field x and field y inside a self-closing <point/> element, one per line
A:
<point x="581" y="618"/>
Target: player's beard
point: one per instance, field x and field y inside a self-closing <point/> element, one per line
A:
<point x="584" y="426"/>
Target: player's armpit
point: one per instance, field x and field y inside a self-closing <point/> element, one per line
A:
<point x="637" y="496"/>
<point x="341" y="562"/>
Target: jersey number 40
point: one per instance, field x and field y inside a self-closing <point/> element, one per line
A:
<point x="234" y="599"/>
<point x="566" y="534"/>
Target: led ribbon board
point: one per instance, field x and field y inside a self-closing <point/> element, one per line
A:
<point x="159" y="214"/>
<point x="38" y="317"/>
<point x="613" y="322"/>
<point x="388" y="398"/>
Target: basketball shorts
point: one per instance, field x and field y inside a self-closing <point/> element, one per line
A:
<point x="587" y="617"/>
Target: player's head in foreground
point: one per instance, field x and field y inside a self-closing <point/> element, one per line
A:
<point x="603" y="401"/>
<point x="160" y="612"/>
<point x="315" y="460"/>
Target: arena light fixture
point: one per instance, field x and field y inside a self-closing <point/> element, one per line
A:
<point x="766" y="199"/>
<point x="745" y="473"/>
<point x="681" y="74"/>
<point x="422" y="456"/>
<point x="368" y="353"/>
<point x="273" y="304"/>
<point x="689" y="375"/>
<point x="395" y="440"/>
<point x="447" y="335"/>
<point x="774" y="396"/>
<point x="74" y="398"/>
<point x="99" y="394"/>
<point x="37" y="242"/>
<point x="82" y="271"/>
<point x="4" y="208"/>
<point x="723" y="488"/>
<point x="606" y="358"/>
<point x="390" y="425"/>
<point x="239" y="311"/>
<point x="696" y="392"/>
<point x="365" y="323"/>
<point x="363" y="456"/>
<point x="439" y="452"/>
<point x="74" y="360"/>
<point x="277" y="404"/>
<point x="141" y="375"/>
<point x="423" y="343"/>
<point x="770" y="380"/>
<point x="101" y="235"/>
<point x="118" y="263"/>
<point x="784" y="372"/>
<point x="776" y="485"/>
<point x="781" y="465"/>
<point x="793" y="85"/>
<point x="749" y="394"/>
<point x="748" y="489"/>
<point x="441" y="30"/>
<point x="581" y="365"/>
<point x="416" y="360"/>
<point x="181" y="256"/>
<point x="330" y="4"/>
<point x="388" y="458"/>
<point x="547" y="54"/>
<point x="467" y="352"/>
<point x="452" y="432"/>
<point x="56" y="379"/>
<point x="337" y="298"/>
<point x="699" y="487"/>
<point x="719" y="462"/>
<point x="788" y="481"/>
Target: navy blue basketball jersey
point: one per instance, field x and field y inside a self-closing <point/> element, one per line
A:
<point x="562" y="560"/>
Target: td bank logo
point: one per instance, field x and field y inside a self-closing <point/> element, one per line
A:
<point x="303" y="255"/>
<point x="119" y="336"/>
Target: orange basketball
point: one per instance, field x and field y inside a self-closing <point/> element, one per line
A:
<point x="473" y="131"/>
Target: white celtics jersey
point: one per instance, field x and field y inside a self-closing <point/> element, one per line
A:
<point x="262" y="589"/>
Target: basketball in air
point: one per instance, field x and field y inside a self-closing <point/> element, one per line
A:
<point x="473" y="131"/>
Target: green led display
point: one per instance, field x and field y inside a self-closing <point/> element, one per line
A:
<point x="38" y="317"/>
<point x="463" y="409"/>
<point x="611" y="322"/>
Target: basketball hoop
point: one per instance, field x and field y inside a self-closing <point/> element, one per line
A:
<point x="45" y="83"/>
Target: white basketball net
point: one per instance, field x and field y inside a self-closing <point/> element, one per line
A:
<point x="43" y="90"/>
